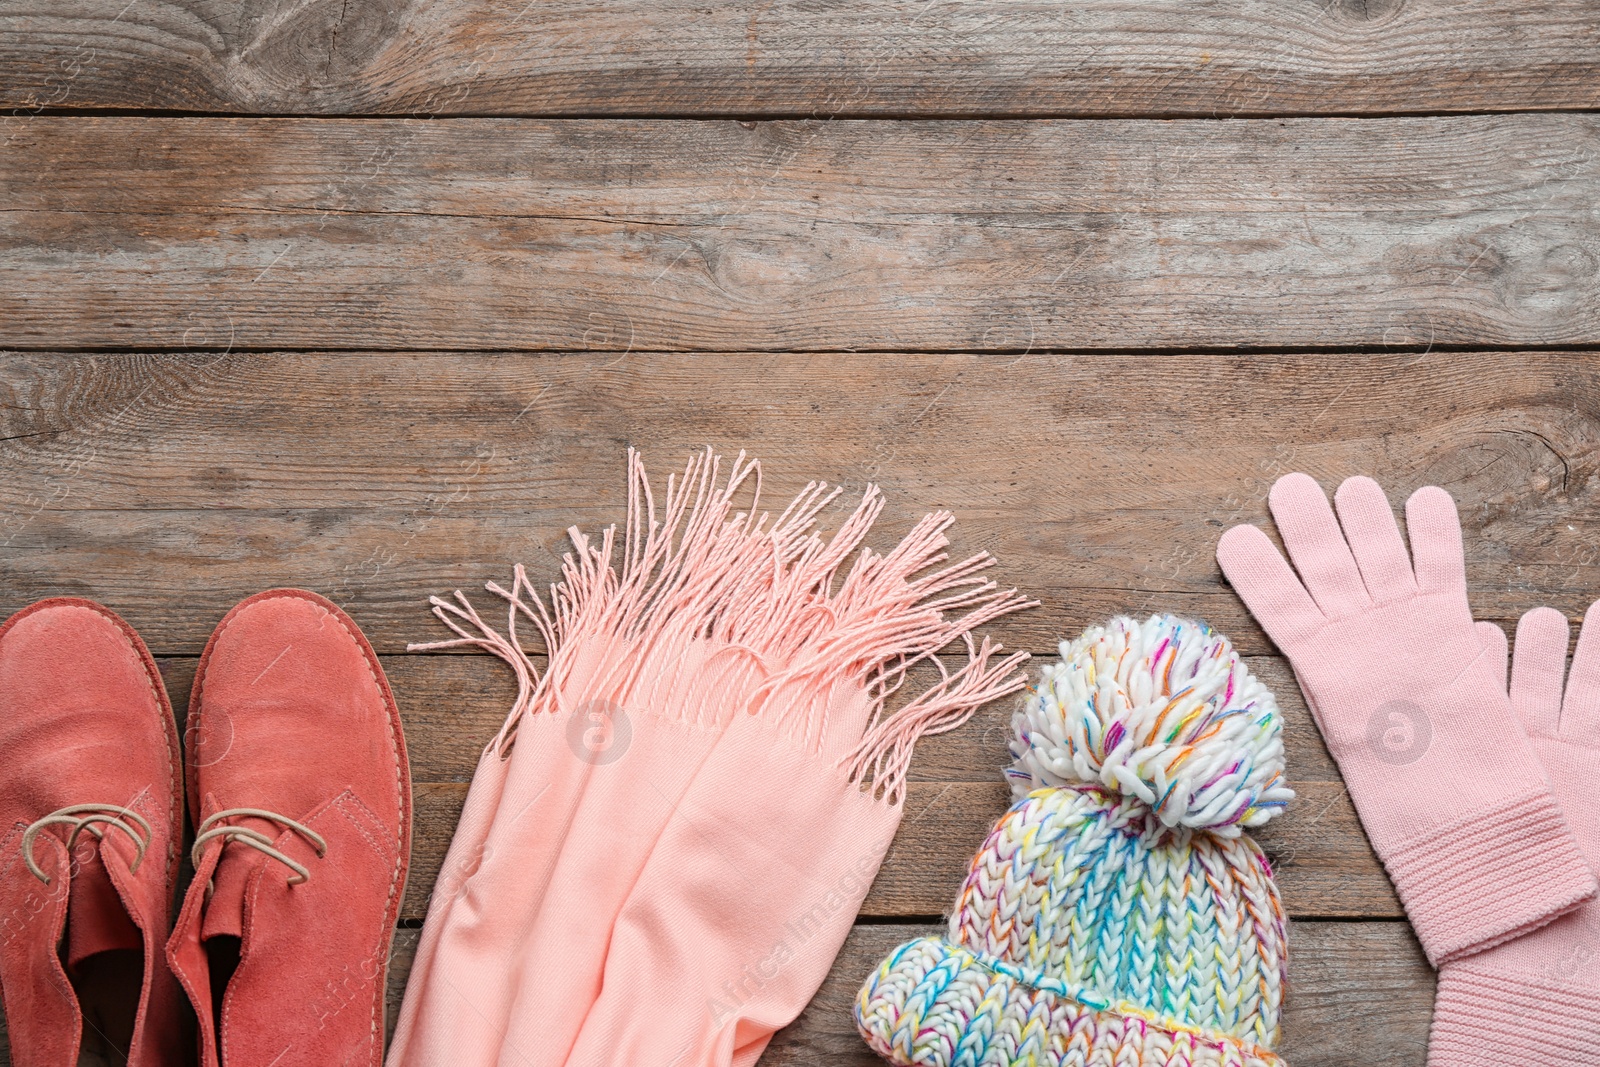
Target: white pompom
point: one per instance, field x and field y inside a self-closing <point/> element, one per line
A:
<point x="1164" y="710"/>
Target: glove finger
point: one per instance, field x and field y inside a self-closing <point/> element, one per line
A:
<point x="1267" y="585"/>
<point x="1537" y="668"/>
<point x="1317" y="546"/>
<point x="1435" y="531"/>
<point x="1493" y="640"/>
<point x="1580" y="708"/>
<point x="1375" y="541"/>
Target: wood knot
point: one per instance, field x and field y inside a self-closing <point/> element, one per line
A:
<point x="314" y="44"/>
<point x="1369" y="11"/>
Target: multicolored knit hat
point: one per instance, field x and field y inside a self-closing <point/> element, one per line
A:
<point x="1117" y="914"/>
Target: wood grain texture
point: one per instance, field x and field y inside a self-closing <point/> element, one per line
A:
<point x="725" y="236"/>
<point x="880" y="57"/>
<point x="1361" y="986"/>
<point x="171" y="486"/>
<point x="1323" y="864"/>
<point x="1358" y="993"/>
<point x="455" y="328"/>
<point x="1100" y="482"/>
<point x="451" y="706"/>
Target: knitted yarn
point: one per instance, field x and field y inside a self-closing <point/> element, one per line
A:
<point x="1117" y="914"/>
<point x="1162" y="710"/>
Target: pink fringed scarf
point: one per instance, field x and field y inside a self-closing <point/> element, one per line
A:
<point x="663" y="850"/>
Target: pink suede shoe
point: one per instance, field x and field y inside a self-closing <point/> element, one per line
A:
<point x="90" y="820"/>
<point x="301" y="799"/>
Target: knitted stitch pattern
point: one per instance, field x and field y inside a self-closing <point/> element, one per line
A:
<point x="1117" y="915"/>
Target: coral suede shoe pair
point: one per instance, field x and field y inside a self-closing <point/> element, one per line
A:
<point x="300" y="797"/>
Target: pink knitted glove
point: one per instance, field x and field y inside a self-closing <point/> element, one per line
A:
<point x="1413" y="709"/>
<point x="1536" y="1000"/>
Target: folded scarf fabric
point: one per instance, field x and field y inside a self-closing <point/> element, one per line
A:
<point x="1536" y="999"/>
<point x="662" y="851"/>
<point x="1383" y="643"/>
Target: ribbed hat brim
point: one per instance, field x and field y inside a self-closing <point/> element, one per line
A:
<point x="932" y="1004"/>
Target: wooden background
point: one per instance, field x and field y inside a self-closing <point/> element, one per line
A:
<point x="369" y="297"/>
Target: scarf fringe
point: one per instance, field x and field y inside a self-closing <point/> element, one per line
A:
<point x="716" y="612"/>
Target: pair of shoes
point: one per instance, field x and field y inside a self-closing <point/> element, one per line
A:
<point x="300" y="796"/>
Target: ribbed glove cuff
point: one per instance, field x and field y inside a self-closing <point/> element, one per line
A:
<point x="1491" y="877"/>
<point x="1480" y="1020"/>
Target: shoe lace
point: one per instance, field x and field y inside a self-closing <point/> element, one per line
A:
<point x="216" y="827"/>
<point x="90" y="817"/>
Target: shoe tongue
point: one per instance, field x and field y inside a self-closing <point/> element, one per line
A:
<point x="97" y="919"/>
<point x="224" y="915"/>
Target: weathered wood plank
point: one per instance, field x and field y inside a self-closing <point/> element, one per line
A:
<point x="1101" y="482"/>
<point x="452" y="706"/>
<point x="1325" y="868"/>
<point x="1359" y="993"/>
<point x="889" y="57"/>
<point x="951" y="236"/>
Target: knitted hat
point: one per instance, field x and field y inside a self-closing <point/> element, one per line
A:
<point x="1117" y="914"/>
